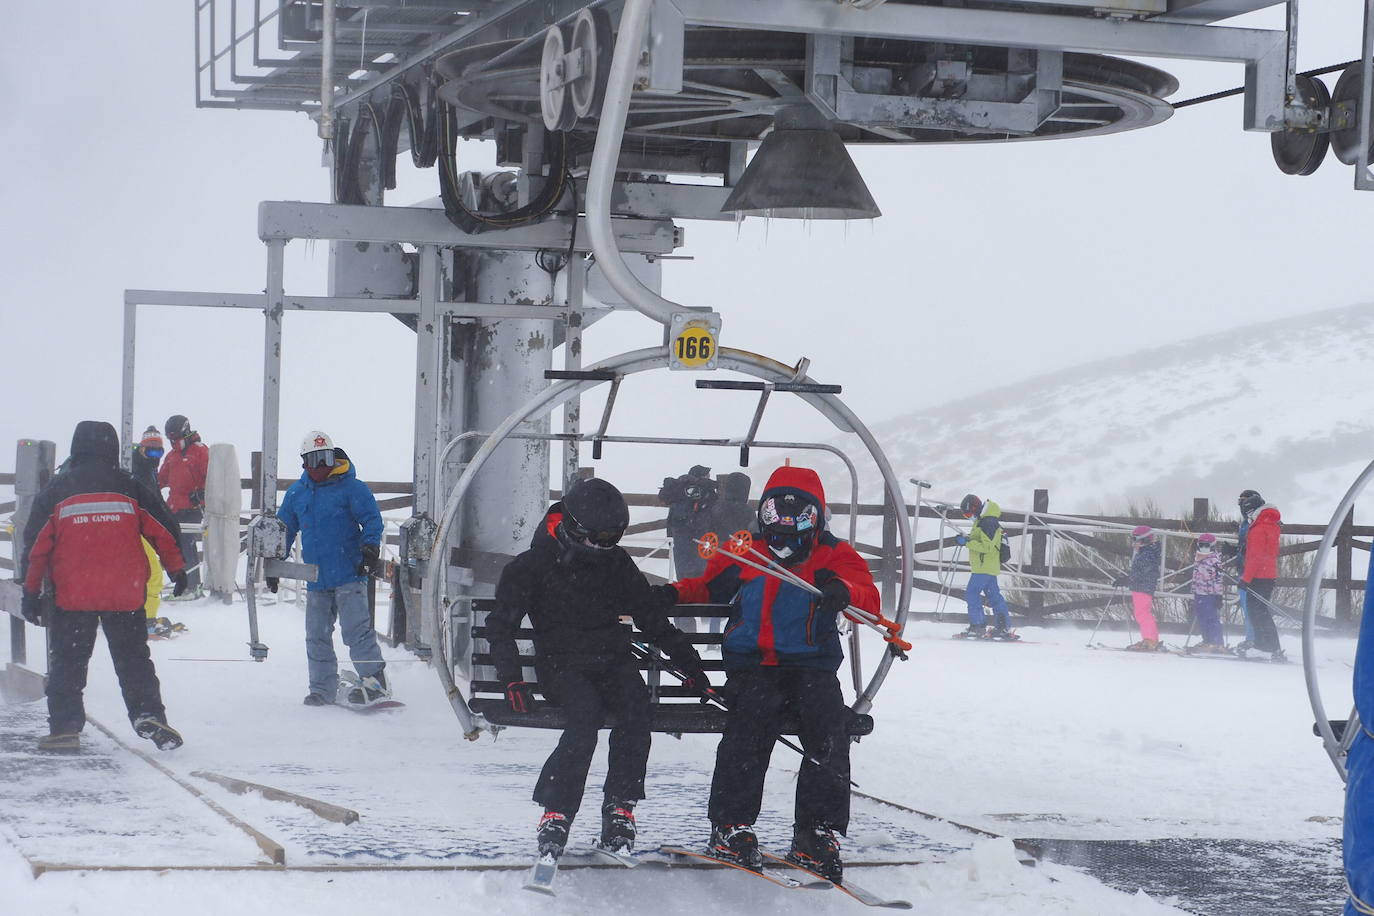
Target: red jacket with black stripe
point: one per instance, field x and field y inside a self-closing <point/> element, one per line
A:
<point x="775" y="623"/>
<point x="85" y="536"/>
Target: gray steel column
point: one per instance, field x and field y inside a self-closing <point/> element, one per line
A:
<point x="126" y="397"/>
<point x="429" y="338"/>
<point x="500" y="366"/>
<point x="271" y="373"/>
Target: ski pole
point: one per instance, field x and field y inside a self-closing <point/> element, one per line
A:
<point x="710" y="695"/>
<point x="888" y="628"/>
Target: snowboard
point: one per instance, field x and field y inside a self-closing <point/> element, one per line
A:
<point x="347" y="681"/>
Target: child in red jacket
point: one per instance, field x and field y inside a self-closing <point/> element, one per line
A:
<point x="781" y="652"/>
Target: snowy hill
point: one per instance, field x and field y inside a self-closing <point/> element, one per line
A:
<point x="1282" y="407"/>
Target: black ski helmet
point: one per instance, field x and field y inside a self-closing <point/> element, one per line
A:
<point x="177" y="427"/>
<point x="790" y="525"/>
<point x="1249" y="501"/>
<point x="970" y="505"/>
<point x="595" y="516"/>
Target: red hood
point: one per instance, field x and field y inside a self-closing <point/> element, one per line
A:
<point x="798" y="480"/>
<point x="1270" y="513"/>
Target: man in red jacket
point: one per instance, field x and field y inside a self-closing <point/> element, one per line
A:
<point x="1260" y="570"/>
<point x="84" y="547"/>
<point x="183" y="474"/>
<point x="781" y="651"/>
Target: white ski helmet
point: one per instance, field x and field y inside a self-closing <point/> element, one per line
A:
<point x="316" y="441"/>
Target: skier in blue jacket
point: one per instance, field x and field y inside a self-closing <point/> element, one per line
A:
<point x="341" y="532"/>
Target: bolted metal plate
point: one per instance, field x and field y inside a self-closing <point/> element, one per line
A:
<point x="1298" y="151"/>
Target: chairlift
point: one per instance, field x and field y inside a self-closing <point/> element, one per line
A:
<point x="455" y="620"/>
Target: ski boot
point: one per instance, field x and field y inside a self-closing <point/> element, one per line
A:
<point x="1278" y="656"/>
<point x="1207" y="648"/>
<point x="552" y="834"/>
<point x="62" y="742"/>
<point x="618" y="826"/>
<point x="160" y="733"/>
<point x="737" y="843"/>
<point x="815" y="848"/>
<point x="1145" y="645"/>
<point x="974" y="631"/>
<point x="1002" y="632"/>
<point x="368" y="691"/>
<point x="1244" y="646"/>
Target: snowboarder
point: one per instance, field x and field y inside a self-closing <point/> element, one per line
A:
<point x="83" y="546"/>
<point x="183" y="474"/>
<point x="341" y="528"/>
<point x="575" y="583"/>
<point x="1142" y="580"/>
<point x="1259" y="571"/>
<point x="1208" y="587"/>
<point x="984" y="542"/>
<point x="781" y="652"/>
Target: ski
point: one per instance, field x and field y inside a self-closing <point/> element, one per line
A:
<point x="1231" y="657"/>
<point x="867" y="898"/>
<point x="1160" y="651"/>
<point x="781" y="880"/>
<point x="597" y="851"/>
<point x="542" y="873"/>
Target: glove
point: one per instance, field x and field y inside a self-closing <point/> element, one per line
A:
<point x="518" y="696"/>
<point x="961" y="540"/>
<point x="272" y="583"/>
<point x="370" y="561"/>
<point x="696" y="680"/>
<point x="664" y="595"/>
<point x="197" y="498"/>
<point x="834" y="596"/>
<point x="178" y="582"/>
<point x="32" y="608"/>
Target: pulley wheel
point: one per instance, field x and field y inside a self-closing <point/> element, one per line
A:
<point x="594" y="42"/>
<point x="1300" y="151"/>
<point x="555" y="102"/>
<point x="1345" y="139"/>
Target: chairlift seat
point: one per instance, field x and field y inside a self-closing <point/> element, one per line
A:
<point x="675" y="709"/>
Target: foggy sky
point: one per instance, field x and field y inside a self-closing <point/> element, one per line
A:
<point x="991" y="262"/>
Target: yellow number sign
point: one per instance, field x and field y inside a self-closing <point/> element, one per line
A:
<point x="694" y="346"/>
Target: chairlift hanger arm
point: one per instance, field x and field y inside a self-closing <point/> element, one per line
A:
<point x="765" y="390"/>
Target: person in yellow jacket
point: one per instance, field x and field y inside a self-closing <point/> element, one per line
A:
<point x="147" y="454"/>
<point x="984" y="542"/>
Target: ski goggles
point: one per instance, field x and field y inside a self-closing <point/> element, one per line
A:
<point x="603" y="539"/>
<point x="787" y="543"/>
<point x="321" y="458"/>
<point x="153" y="452"/>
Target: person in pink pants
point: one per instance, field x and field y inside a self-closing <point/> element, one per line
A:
<point x="1142" y="580"/>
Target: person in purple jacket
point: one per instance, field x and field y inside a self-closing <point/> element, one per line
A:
<point x="1208" y="587"/>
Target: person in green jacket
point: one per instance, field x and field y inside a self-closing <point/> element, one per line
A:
<point x="984" y="543"/>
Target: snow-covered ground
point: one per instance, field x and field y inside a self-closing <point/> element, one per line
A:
<point x="1050" y="739"/>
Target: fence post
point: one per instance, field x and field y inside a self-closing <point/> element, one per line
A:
<point x="1202" y="511"/>
<point x="1345" y="548"/>
<point x="888" y="573"/>
<point x="1040" y="502"/>
<point x="34" y="461"/>
<point x="255" y="475"/>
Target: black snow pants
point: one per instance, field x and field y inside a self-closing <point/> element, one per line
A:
<point x="586" y="697"/>
<point x="190" y="545"/>
<point x="1261" y="615"/>
<point x="759" y="698"/>
<point x="70" y="642"/>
